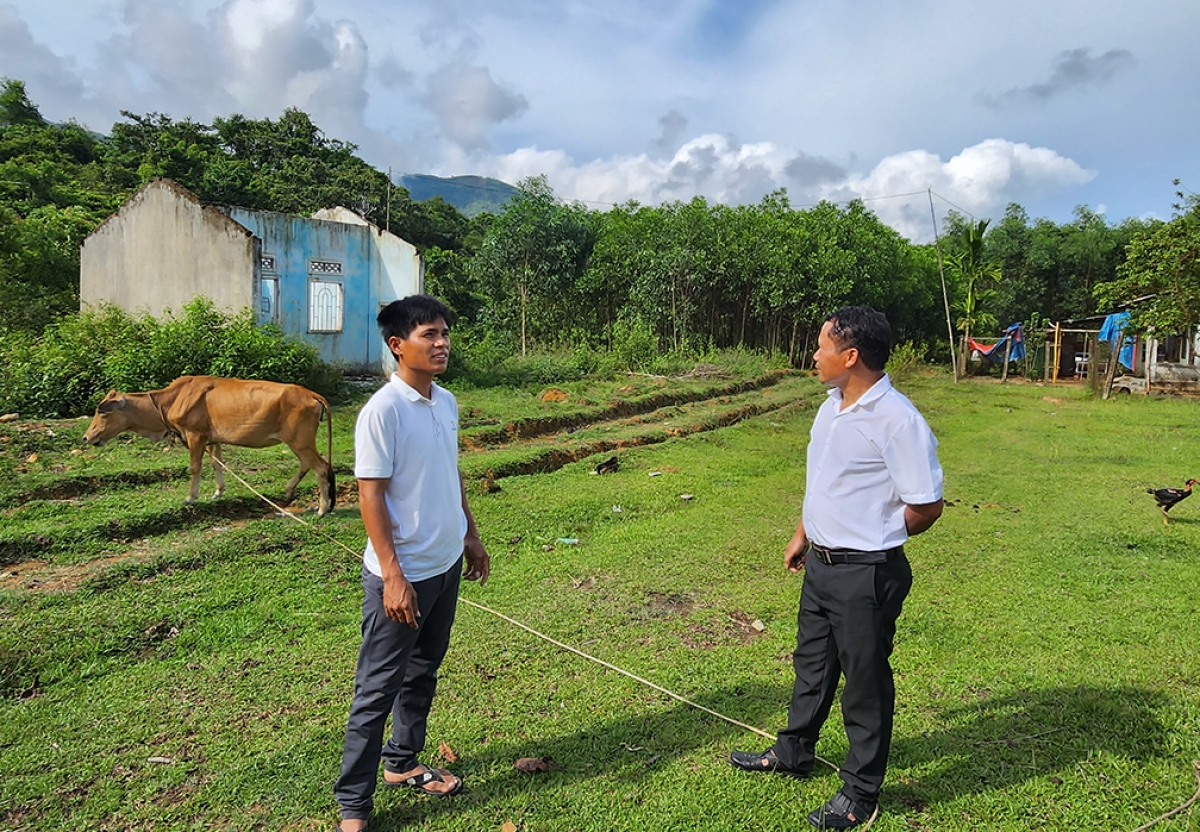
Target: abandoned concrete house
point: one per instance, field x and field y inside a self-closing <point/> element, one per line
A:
<point x="321" y="278"/>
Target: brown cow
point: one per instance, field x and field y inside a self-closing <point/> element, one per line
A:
<point x="206" y="411"/>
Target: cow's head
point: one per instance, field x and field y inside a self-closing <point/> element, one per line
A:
<point x="110" y="419"/>
<point x="118" y="413"/>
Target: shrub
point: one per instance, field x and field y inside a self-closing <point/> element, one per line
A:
<point x="78" y="359"/>
<point x="907" y="359"/>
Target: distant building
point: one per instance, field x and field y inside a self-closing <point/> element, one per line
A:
<point x="321" y="278"/>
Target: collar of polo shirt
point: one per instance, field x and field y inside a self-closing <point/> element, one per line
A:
<point x="411" y="393"/>
<point x="877" y="390"/>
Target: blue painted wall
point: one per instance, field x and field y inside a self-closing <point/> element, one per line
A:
<point x="294" y="243"/>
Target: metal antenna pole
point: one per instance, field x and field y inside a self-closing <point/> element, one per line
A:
<point x="945" y="297"/>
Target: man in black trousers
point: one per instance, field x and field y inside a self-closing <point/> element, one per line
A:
<point x="873" y="481"/>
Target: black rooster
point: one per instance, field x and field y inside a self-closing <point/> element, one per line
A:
<point x="608" y="466"/>
<point x="1168" y="497"/>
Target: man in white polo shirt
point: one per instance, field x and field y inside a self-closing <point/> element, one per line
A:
<point x="873" y="481"/>
<point x="419" y="533"/>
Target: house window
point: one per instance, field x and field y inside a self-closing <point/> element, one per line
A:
<point x="268" y="302"/>
<point x="324" y="267"/>
<point x="324" y="306"/>
<point x="268" y="262"/>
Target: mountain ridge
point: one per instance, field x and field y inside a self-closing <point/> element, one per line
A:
<point x="470" y="194"/>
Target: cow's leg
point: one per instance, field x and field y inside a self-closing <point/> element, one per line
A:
<point x="290" y="493"/>
<point x="196" y="446"/>
<point x="325" y="485"/>
<point x="218" y="469"/>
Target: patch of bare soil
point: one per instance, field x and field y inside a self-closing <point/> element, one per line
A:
<point x="668" y="604"/>
<point x="737" y="627"/>
<point x="43" y="576"/>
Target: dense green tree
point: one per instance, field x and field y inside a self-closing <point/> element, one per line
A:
<point x="1163" y="270"/>
<point x="531" y="259"/>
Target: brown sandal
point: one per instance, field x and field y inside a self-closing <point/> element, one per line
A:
<point x="421" y="780"/>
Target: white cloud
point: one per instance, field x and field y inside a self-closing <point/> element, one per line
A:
<point x="981" y="179"/>
<point x="24" y="58"/>
<point x="468" y="102"/>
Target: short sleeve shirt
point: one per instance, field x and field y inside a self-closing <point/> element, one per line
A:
<point x="865" y="464"/>
<point x="412" y="442"/>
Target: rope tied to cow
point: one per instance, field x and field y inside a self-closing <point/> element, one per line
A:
<point x="582" y="654"/>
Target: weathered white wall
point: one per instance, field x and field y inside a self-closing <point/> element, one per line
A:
<point x="163" y="248"/>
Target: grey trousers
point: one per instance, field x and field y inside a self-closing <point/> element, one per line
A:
<point x="846" y="625"/>
<point x="397" y="674"/>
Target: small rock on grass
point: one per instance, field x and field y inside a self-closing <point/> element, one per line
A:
<point x="9" y="417"/>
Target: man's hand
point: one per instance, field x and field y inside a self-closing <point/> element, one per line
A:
<point x="476" y="563"/>
<point x="400" y="601"/>
<point x="796" y="551"/>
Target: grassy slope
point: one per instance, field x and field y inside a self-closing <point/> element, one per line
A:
<point x="1046" y="661"/>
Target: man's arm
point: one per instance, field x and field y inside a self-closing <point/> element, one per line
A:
<point x="477" y="564"/>
<point x="919" y="518"/>
<point x="399" y="597"/>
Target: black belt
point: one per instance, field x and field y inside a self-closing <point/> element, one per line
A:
<point x="832" y="556"/>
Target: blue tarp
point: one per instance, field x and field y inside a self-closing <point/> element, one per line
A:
<point x="996" y="351"/>
<point x="1111" y="331"/>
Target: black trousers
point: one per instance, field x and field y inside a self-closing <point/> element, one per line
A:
<point x="397" y="674"/>
<point x="846" y="625"/>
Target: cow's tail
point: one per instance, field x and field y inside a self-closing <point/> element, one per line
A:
<point x="332" y="493"/>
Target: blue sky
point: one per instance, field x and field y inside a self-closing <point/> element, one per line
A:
<point x="1048" y="104"/>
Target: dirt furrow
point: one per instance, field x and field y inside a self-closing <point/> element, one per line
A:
<point x="536" y="426"/>
<point x="553" y="458"/>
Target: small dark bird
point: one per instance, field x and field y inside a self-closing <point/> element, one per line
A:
<point x="607" y="466"/>
<point x="1168" y="497"/>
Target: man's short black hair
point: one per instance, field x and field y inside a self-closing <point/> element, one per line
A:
<point x="866" y="330"/>
<point x="401" y="317"/>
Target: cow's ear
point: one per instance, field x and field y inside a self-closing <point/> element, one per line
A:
<point x="109" y="405"/>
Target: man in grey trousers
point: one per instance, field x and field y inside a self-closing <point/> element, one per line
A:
<point x="421" y="538"/>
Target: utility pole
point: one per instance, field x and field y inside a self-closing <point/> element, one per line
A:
<point x="945" y="297"/>
<point x="387" y="223"/>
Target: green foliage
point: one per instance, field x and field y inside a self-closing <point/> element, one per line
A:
<point x="530" y="261"/>
<point x="906" y="361"/>
<point x="1163" y="268"/>
<point x="544" y="275"/>
<point x="79" y="358"/>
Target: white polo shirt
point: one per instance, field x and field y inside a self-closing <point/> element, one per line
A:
<point x="865" y="463"/>
<point x="412" y="442"/>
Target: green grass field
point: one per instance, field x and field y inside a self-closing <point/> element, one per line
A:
<point x="175" y="669"/>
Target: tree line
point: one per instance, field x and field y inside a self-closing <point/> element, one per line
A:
<point x="545" y="273"/>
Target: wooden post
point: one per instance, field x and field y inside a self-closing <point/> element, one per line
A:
<point x="1057" y="351"/>
<point x="1007" y="353"/>
<point x="1115" y="353"/>
<point x="1093" y="363"/>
